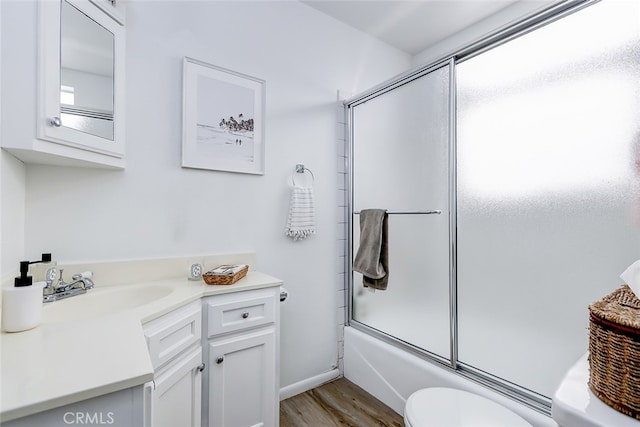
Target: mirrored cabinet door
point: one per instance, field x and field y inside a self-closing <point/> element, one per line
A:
<point x="81" y="78"/>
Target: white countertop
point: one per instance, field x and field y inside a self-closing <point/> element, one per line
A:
<point x="574" y="405"/>
<point x="66" y="360"/>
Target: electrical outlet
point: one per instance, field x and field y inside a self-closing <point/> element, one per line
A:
<point x="194" y="271"/>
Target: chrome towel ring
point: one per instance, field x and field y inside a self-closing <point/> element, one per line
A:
<point x="301" y="169"/>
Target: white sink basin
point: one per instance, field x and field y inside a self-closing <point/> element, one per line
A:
<point x="102" y="301"/>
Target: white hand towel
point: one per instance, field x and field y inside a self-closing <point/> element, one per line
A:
<point x="301" y="219"/>
<point x="631" y="277"/>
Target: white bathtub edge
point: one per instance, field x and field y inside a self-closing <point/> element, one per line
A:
<point x="391" y="375"/>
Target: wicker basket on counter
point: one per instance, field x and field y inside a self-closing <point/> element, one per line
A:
<point x="225" y="274"/>
<point x="614" y="350"/>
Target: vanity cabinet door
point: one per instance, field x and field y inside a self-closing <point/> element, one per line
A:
<point x="177" y="396"/>
<point x="242" y="380"/>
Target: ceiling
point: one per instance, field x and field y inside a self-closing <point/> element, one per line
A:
<point x="411" y="26"/>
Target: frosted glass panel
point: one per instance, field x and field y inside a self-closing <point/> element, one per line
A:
<point x="548" y="190"/>
<point x="400" y="145"/>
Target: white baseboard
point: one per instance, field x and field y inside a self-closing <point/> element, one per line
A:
<point x="308" y="384"/>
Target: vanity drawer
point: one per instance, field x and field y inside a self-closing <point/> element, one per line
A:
<point x="242" y="310"/>
<point x="173" y="333"/>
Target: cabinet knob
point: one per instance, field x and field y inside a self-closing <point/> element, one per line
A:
<point x="55" y="121"/>
<point x="219" y="360"/>
<point x="201" y="367"/>
<point x="245" y="314"/>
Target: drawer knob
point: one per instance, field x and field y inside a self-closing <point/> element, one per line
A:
<point x="219" y="360"/>
<point x="245" y="314"/>
<point x="201" y="367"/>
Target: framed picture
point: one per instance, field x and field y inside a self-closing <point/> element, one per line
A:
<point x="222" y="119"/>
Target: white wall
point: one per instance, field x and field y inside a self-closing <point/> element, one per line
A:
<point x="12" y="210"/>
<point x="156" y="208"/>
<point x="13" y="92"/>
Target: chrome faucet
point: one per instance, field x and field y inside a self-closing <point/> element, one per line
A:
<point x="49" y="290"/>
<point x="83" y="279"/>
<point x="79" y="284"/>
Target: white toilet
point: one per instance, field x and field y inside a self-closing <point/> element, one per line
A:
<point x="448" y="407"/>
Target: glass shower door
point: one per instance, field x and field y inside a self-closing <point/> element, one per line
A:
<point x="401" y="164"/>
<point x="548" y="190"/>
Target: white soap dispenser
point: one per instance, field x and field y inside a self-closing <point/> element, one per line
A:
<point x="22" y="304"/>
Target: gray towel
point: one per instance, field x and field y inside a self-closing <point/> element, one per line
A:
<point x="372" y="259"/>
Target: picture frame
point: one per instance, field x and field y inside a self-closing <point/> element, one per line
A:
<point x="222" y="119"/>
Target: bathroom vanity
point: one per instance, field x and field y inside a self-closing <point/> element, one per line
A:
<point x="241" y="343"/>
<point x="174" y="396"/>
<point x="160" y="352"/>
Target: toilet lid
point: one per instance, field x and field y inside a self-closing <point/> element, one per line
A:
<point x="447" y="407"/>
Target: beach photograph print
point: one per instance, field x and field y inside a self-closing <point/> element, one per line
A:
<point x="223" y="119"/>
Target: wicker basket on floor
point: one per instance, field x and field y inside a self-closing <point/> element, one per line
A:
<point x="614" y="351"/>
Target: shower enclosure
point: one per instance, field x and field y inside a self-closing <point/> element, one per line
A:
<point x="511" y="175"/>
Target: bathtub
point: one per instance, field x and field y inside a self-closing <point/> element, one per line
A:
<point x="391" y="375"/>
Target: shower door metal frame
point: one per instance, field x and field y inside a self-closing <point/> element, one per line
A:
<point x="349" y="105"/>
<point x="527" y="397"/>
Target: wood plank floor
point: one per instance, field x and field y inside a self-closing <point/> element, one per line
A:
<point x="336" y="404"/>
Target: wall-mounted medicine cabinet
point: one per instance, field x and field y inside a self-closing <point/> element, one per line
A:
<point x="80" y="81"/>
